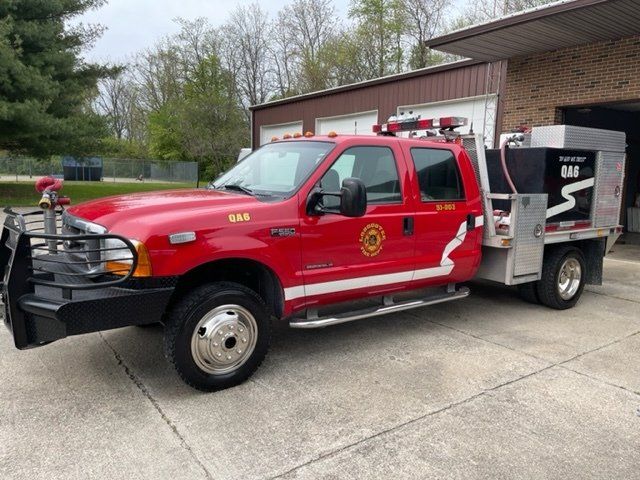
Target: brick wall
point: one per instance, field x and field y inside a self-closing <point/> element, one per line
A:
<point x="597" y="73"/>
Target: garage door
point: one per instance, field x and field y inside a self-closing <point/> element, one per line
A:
<point x="353" y="124"/>
<point x="267" y="132"/>
<point x="471" y="108"/>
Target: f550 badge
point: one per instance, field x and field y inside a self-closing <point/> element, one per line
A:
<point x="239" y="217"/>
<point x="371" y="238"/>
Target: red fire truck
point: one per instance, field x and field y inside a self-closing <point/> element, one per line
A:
<point x="316" y="231"/>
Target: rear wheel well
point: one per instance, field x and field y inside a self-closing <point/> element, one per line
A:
<point x="593" y="252"/>
<point x="250" y="273"/>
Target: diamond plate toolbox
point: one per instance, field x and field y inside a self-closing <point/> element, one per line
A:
<point x="580" y="138"/>
<point x="530" y="219"/>
<point x="608" y="189"/>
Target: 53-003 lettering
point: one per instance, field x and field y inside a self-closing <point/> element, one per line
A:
<point x="444" y="207"/>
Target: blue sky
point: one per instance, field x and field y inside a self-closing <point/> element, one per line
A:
<point x="133" y="25"/>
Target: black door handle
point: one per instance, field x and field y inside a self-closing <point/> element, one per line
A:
<point x="471" y="222"/>
<point x="407" y="225"/>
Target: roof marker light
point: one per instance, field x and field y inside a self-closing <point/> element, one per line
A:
<point x="297" y="135"/>
<point x="286" y="136"/>
<point x="308" y="134"/>
<point x="274" y="139"/>
<point x="332" y="134"/>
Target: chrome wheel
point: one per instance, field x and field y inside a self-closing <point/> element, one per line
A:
<point x="569" y="278"/>
<point x="224" y="339"/>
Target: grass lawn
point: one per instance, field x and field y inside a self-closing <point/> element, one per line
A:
<point x="23" y="194"/>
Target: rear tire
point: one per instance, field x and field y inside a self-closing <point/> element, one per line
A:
<point x="529" y="293"/>
<point x="217" y="335"/>
<point x="563" y="278"/>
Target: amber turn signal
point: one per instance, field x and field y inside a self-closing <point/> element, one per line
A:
<point x="143" y="267"/>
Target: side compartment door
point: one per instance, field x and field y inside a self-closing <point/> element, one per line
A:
<point x="345" y="258"/>
<point x="447" y="241"/>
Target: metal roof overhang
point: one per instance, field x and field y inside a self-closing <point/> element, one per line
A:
<point x="551" y="27"/>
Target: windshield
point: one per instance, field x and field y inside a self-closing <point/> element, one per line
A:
<point x="276" y="169"/>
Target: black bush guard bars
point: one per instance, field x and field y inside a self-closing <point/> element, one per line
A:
<point x="50" y="295"/>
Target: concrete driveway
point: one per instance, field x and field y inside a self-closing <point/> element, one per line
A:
<point x="488" y="387"/>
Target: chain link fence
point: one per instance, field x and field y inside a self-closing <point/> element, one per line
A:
<point x="98" y="169"/>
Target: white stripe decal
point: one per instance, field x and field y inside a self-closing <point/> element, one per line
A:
<point x="358" y="282"/>
<point x="453" y="244"/>
<point x="432" y="272"/>
<point x="294" y="292"/>
<point x="445" y="268"/>
<point x="566" y="192"/>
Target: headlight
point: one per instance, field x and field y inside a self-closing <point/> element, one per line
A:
<point x="118" y="258"/>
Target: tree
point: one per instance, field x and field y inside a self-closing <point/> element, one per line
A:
<point x="379" y="27"/>
<point x="165" y="139"/>
<point x="205" y="123"/>
<point x="285" y="60"/>
<point x="424" y="18"/>
<point x="45" y="87"/>
<point x="176" y="101"/>
<point x="482" y="10"/>
<point x="159" y="73"/>
<point x="245" y="53"/>
<point x="114" y="103"/>
<point x="351" y="61"/>
<point x="196" y="41"/>
<point x="212" y="123"/>
<point x="312" y="24"/>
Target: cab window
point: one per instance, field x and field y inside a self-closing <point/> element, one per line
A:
<point x="438" y="174"/>
<point x="375" y="166"/>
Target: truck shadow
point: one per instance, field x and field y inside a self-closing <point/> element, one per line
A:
<point x="394" y="337"/>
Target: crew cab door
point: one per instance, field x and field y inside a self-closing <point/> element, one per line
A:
<point x="344" y="258"/>
<point x="448" y="213"/>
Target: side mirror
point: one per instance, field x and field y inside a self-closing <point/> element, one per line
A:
<point x="353" y="199"/>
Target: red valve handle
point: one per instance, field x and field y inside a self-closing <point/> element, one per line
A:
<point x="48" y="184"/>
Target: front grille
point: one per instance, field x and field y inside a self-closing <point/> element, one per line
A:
<point x="86" y="251"/>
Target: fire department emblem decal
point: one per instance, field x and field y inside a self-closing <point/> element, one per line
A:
<point x="371" y="239"/>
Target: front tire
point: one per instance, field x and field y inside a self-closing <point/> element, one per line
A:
<point x="217" y="335"/>
<point x="563" y="278"/>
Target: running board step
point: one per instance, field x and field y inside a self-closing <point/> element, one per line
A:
<point x="321" y="322"/>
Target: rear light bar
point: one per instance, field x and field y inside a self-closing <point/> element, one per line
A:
<point x="420" y="124"/>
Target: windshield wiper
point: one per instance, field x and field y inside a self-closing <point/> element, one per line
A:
<point x="237" y="188"/>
